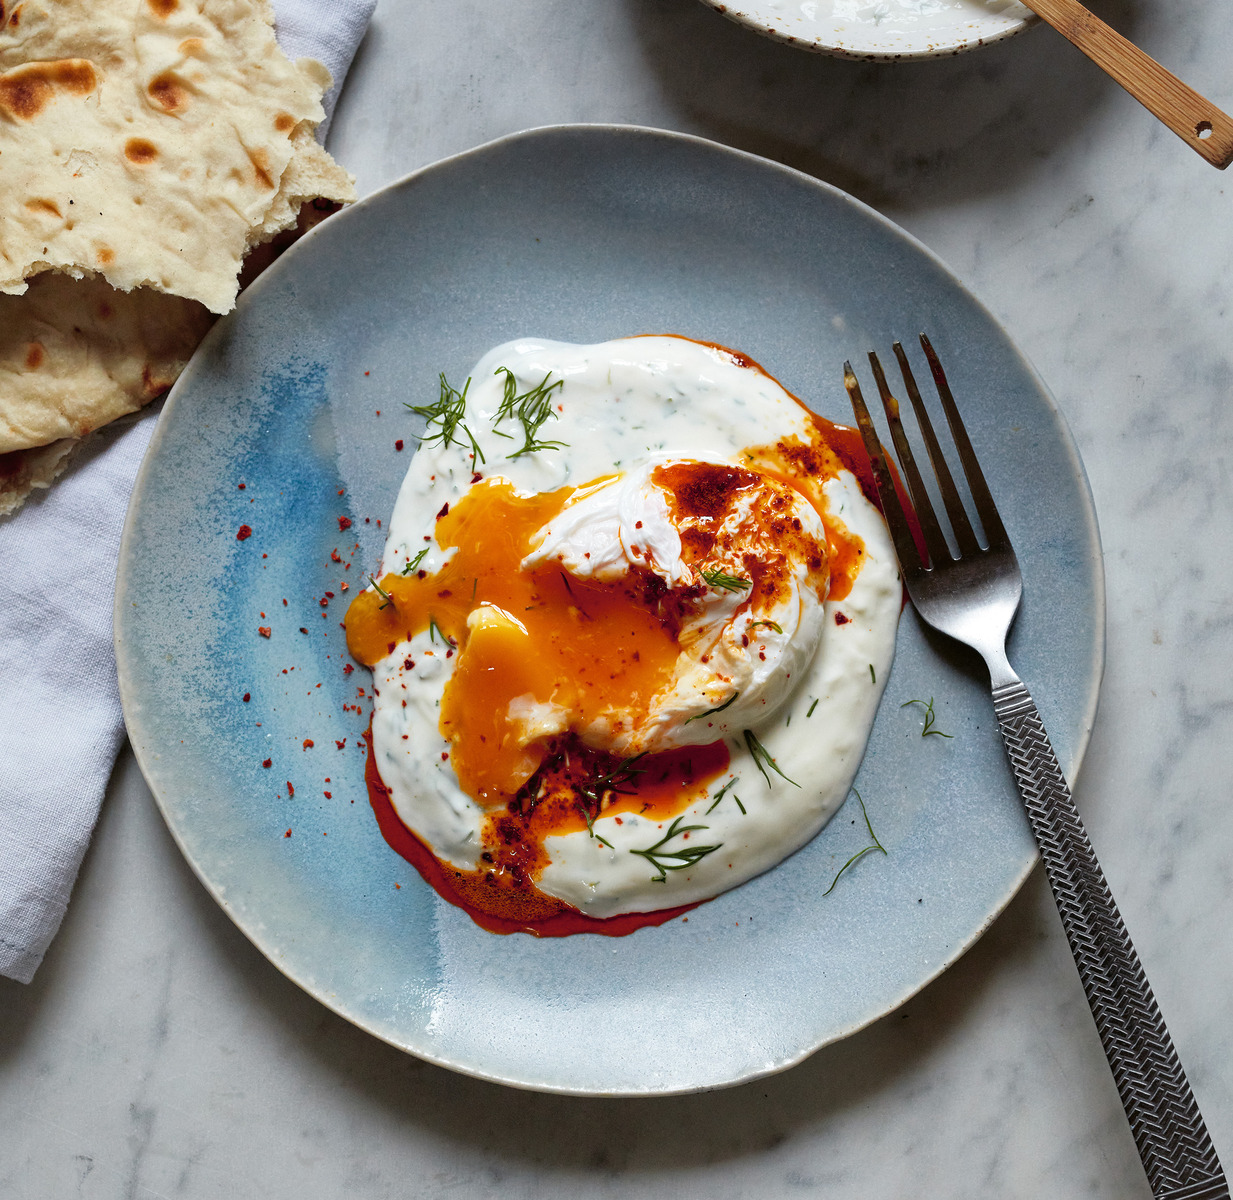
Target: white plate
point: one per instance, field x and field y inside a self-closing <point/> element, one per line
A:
<point x="881" y="29"/>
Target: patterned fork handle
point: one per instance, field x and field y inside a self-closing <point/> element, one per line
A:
<point x="1173" y="1142"/>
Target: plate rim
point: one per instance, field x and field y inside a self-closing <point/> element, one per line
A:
<point x="129" y="688"/>
<point x="748" y="20"/>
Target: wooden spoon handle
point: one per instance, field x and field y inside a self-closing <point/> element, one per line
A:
<point x="1197" y="121"/>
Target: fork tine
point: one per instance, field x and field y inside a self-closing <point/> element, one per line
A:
<point x="959" y="522"/>
<point x="995" y="532"/>
<point x="935" y="540"/>
<point x="892" y="510"/>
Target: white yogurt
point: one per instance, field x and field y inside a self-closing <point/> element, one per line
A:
<point x="624" y="408"/>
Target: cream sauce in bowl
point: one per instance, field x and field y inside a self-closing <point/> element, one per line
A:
<point x="882" y="29"/>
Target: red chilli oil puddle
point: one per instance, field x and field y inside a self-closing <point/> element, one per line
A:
<point x="588" y="646"/>
<point x="476" y="893"/>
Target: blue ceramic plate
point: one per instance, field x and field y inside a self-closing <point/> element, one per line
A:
<point x="289" y="419"/>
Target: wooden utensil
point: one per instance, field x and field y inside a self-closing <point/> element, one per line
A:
<point x="1198" y="122"/>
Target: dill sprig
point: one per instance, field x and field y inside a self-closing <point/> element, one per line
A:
<point x="413" y="564"/>
<point x="811" y="708"/>
<point x="873" y="676"/>
<point x="860" y="853"/>
<point x="773" y="624"/>
<point x="762" y="759"/>
<point x="434" y="629"/>
<point x="590" y="820"/>
<point x="723" y="791"/>
<point x="382" y="592"/>
<point x="594" y="789"/>
<point x="674" y="860"/>
<point x="447" y="413"/>
<point x="530" y="408"/>
<point x="710" y="712"/>
<point x="930" y="717"/>
<point x="724" y="582"/>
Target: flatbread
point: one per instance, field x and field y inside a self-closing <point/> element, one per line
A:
<point x="24" y="470"/>
<point x="149" y="150"/>
<point x="147" y="142"/>
<point x="76" y="354"/>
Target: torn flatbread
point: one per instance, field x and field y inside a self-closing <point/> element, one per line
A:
<point x="146" y="141"/>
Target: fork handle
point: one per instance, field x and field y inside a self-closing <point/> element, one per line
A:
<point x="1177" y="1153"/>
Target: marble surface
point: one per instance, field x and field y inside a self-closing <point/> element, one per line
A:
<point x="158" y="1054"/>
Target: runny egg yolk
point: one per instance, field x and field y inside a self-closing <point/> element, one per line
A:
<point x="545" y="652"/>
<point x="586" y="647"/>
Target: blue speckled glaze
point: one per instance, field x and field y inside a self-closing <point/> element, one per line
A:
<point x="578" y="233"/>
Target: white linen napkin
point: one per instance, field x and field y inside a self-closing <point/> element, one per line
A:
<point x="61" y="726"/>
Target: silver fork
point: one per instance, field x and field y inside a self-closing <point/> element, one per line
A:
<point x="973" y="598"/>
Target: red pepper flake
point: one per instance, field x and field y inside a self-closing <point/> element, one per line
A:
<point x="444" y="755"/>
<point x="265" y="556"/>
<point x="290" y="789"/>
<point x="241" y="486"/>
<point x="344" y="586"/>
<point x="308" y="744"/>
<point x="365" y="372"/>
<point x="245" y="531"/>
<point x="408" y="663"/>
<point x="269" y="762"/>
<point x="347" y="669"/>
<point x="335" y="556"/>
<point x="476" y="477"/>
<point x="341" y="745"/>
<point x="264" y="630"/>
<point x="287" y="834"/>
<point x="247" y="697"/>
<point x="327" y="795"/>
<point x="341" y="490"/>
<point x="398" y="444"/>
<point x="324" y="602"/>
<point x="398" y="887"/>
<point x="445" y="508"/>
<point x="840" y="619"/>
<point x="263" y="614"/>
<point x="284" y="602"/>
<point x="344" y="522"/>
<point x="303" y="629"/>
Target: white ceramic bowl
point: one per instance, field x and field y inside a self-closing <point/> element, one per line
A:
<point x="881" y="29"/>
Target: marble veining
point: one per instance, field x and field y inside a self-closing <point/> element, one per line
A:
<point x="158" y="1054"/>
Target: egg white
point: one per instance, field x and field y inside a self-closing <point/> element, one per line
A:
<point x="624" y="402"/>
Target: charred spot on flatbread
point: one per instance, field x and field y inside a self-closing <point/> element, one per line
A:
<point x="27" y="90"/>
<point x="140" y="151"/>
